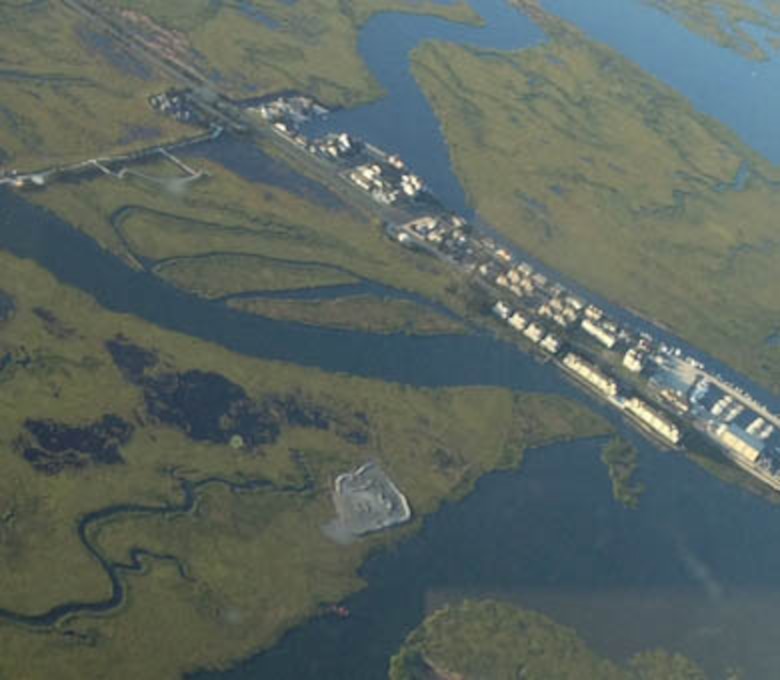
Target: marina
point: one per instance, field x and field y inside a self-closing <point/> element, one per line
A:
<point x="672" y="573"/>
<point x="554" y="319"/>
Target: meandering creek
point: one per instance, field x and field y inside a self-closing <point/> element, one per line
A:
<point x="693" y="569"/>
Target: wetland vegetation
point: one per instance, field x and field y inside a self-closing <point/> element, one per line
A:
<point x="489" y="639"/>
<point x="228" y="236"/>
<point x="65" y="93"/>
<point x="361" y="312"/>
<point x="169" y="476"/>
<point x="217" y="276"/>
<point x="620" y="457"/>
<point x="613" y="178"/>
<point x="729" y="23"/>
<point x="179" y="488"/>
<point x="307" y="45"/>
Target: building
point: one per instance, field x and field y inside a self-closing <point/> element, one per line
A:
<point x="501" y="310"/>
<point x="653" y="419"/>
<point x="593" y="313"/>
<point x="518" y="321"/>
<point x="676" y="400"/>
<point x="551" y="344"/>
<point x="738" y="441"/>
<point x="590" y="374"/>
<point x="411" y="185"/>
<point x="504" y="255"/>
<point x="601" y="334"/>
<point x="634" y="361"/>
<point x="756" y="426"/>
<point x="395" y="161"/>
<point x="423" y="225"/>
<point x="544" y="310"/>
<point x="534" y="332"/>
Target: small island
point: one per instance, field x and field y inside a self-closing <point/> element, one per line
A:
<point x="496" y="640"/>
<point x="620" y="457"/>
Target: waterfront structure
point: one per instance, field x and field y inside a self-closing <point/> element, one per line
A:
<point x="518" y="321"/>
<point x="738" y="441"/>
<point x="534" y="332"/>
<point x="593" y="313"/>
<point x="590" y="374"/>
<point x="678" y="383"/>
<point x="653" y="419"/>
<point x="676" y="400"/>
<point x="634" y="361"/>
<point x="501" y="310"/>
<point x="551" y="344"/>
<point x="601" y="334"/>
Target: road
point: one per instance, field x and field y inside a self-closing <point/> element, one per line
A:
<point x="44" y="176"/>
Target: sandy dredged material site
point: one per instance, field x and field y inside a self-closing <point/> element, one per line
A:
<point x="367" y="500"/>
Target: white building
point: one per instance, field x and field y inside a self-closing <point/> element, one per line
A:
<point x="634" y="361"/>
<point x="653" y="419"/>
<point x="501" y="310"/>
<point x="534" y="332"/>
<point x="551" y="344"/>
<point x="590" y="374"/>
<point x="603" y="336"/>
<point x="593" y="313"/>
<point x="740" y="442"/>
<point x="518" y="321"/>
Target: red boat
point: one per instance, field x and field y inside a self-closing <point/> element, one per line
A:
<point x="338" y="610"/>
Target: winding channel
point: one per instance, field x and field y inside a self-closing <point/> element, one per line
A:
<point x="360" y="285"/>
<point x="189" y="490"/>
<point x="411" y="129"/>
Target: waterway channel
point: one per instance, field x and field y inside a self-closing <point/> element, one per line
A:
<point x="404" y="123"/>
<point x="693" y="569"/>
<point x="684" y="571"/>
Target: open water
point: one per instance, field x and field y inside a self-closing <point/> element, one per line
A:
<point x="694" y="569"/>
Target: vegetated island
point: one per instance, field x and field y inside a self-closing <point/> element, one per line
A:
<point x="620" y="457"/>
<point x="162" y="498"/>
<point x="489" y="639"/>
<point x="611" y="177"/>
<point x="729" y="23"/>
<point x="231" y="238"/>
<point x="359" y="312"/>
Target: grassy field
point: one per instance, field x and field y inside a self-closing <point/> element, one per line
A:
<point x="273" y="236"/>
<point x="487" y="639"/>
<point x="64" y="94"/>
<point x="67" y="93"/>
<point x="360" y="312"/>
<point x="729" y="23"/>
<point x="608" y="175"/>
<point x="215" y="276"/>
<point x="434" y="444"/>
<point x="307" y="45"/>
